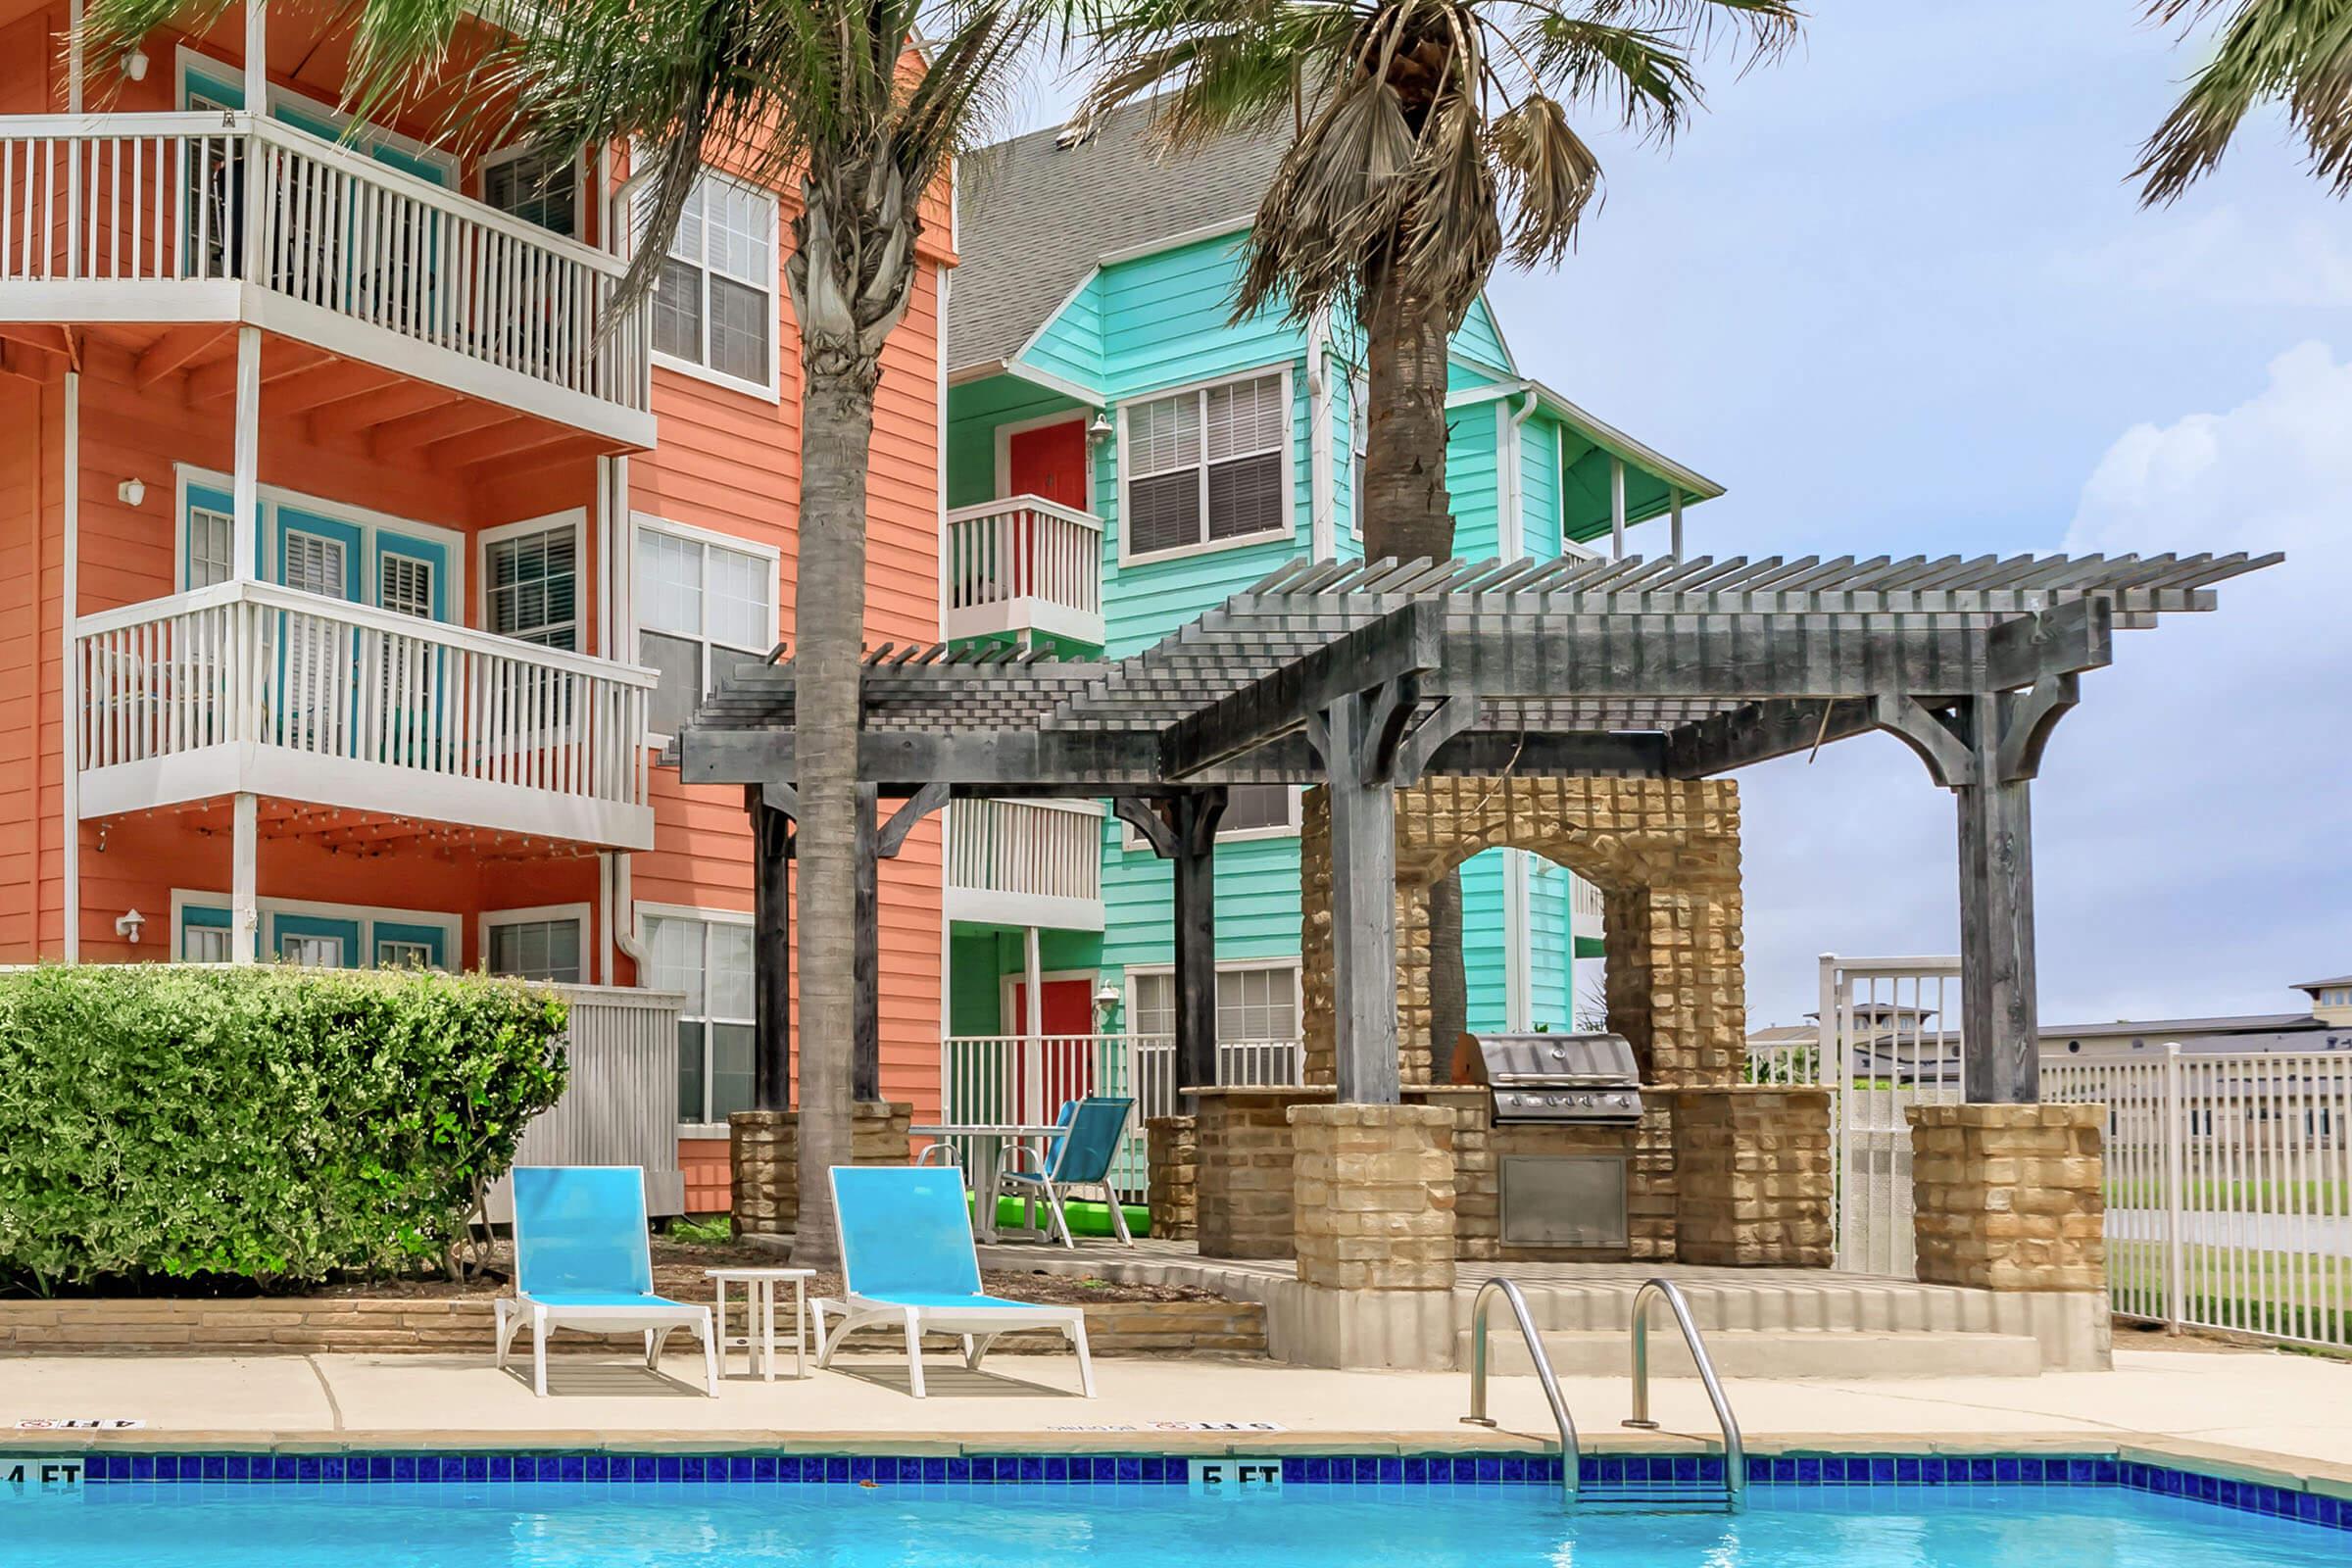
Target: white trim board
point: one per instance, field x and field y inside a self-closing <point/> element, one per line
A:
<point x="365" y="915"/>
<point x="368" y="520"/>
<point x="1290" y="459"/>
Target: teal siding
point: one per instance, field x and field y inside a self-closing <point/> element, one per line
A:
<point x="1551" y="978"/>
<point x="1070" y="346"/>
<point x="1540" y="486"/>
<point x="1470" y="478"/>
<point x="1486" y="971"/>
<point x="974" y="412"/>
<point x="1481" y="340"/>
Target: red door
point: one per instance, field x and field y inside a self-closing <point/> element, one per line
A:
<point x="1064" y="1062"/>
<point x="1049" y="461"/>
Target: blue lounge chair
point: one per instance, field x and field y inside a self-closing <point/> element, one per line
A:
<point x="1080" y="1157"/>
<point x="582" y="1261"/>
<point x="907" y="1257"/>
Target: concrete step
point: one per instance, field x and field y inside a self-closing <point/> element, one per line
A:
<point x="1827" y="1302"/>
<point x="1770" y="1353"/>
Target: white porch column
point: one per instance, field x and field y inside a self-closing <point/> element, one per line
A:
<point x="244" y="899"/>
<point x="1616" y="509"/>
<point x="245" y="532"/>
<point x="257" y="56"/>
<point x="1033" y="1026"/>
<point x="1673" y="525"/>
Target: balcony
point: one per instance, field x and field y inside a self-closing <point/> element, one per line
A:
<point x="1023" y="564"/>
<point x="246" y="687"/>
<point x="1026" y="863"/>
<point x="226" y="218"/>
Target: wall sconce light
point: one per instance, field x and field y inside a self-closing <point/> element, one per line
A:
<point x="1100" y="427"/>
<point x="135" y="64"/>
<point x="1107" y="1008"/>
<point x="126" y="927"/>
<point x="131" y="492"/>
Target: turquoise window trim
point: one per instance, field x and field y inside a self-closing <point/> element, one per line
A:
<point x="282" y="926"/>
<point x="212" y="500"/>
<point x="434" y="938"/>
<point x="231" y="91"/>
<point x="294" y="519"/>
<point x="431" y="552"/>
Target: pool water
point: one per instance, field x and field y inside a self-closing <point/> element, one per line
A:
<point x="559" y="1525"/>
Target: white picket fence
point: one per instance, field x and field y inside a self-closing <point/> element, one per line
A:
<point x="2228" y="1188"/>
<point x="1023" y="1080"/>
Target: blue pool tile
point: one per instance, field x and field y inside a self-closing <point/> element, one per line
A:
<point x="959" y="1470"/>
<point x="596" y="1467"/>
<point x="836" y="1470"/>
<point x="1030" y="1467"/>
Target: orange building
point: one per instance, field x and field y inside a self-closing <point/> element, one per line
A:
<point x="355" y="563"/>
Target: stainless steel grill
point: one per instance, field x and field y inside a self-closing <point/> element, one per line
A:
<point x="1587" y="1079"/>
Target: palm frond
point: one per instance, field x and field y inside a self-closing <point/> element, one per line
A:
<point x="1548" y="177"/>
<point x="2293" y="52"/>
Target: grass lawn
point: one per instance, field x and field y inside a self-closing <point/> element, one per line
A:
<point x="2292" y="1293"/>
<point x="2215" y="1194"/>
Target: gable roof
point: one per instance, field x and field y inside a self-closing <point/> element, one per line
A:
<point x="1035" y="218"/>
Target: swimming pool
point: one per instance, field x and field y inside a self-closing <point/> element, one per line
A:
<point x="214" y="1510"/>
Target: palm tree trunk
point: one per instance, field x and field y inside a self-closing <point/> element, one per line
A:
<point x="1406" y="512"/>
<point x="1409" y="515"/>
<point x="828" y="636"/>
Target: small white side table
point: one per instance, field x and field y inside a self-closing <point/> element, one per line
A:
<point x="759" y="1336"/>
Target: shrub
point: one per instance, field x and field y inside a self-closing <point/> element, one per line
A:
<point x="273" y="1124"/>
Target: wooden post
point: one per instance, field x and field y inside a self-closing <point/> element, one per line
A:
<point x="257" y="57"/>
<point x="865" y="1039"/>
<point x="1193" y="824"/>
<point x="2002" y="1060"/>
<point x="1616" y="509"/>
<point x="245" y="482"/>
<point x="1674" y="527"/>
<point x="771" y="955"/>
<point x="1363" y="903"/>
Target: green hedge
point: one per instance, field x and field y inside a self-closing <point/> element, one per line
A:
<point x="271" y="1124"/>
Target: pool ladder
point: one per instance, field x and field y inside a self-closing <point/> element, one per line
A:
<point x="1734" y="1453"/>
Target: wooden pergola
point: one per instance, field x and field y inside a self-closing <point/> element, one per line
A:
<point x="1365" y="677"/>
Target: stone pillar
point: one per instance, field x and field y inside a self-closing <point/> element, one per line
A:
<point x="1752" y="1176"/>
<point x="765" y="1147"/>
<point x="1173" y="1167"/>
<point x="1244" y="1189"/>
<point x="1374" y="1196"/>
<point x="2008" y="1198"/>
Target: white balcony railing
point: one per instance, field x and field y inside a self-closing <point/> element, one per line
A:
<point x="247" y="686"/>
<point x="319" y="241"/>
<point x="1021" y="1080"/>
<point x="1026" y="863"/>
<point x="1023" y="564"/>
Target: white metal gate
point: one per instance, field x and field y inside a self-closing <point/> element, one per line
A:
<point x="1890" y="1039"/>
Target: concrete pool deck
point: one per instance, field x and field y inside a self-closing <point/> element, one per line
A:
<point x="2262" y="1409"/>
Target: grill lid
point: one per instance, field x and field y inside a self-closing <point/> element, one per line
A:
<point x="1545" y="1060"/>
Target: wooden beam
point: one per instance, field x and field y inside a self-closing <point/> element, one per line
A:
<point x="921" y="803"/>
<point x="1193" y="832"/>
<point x="350" y="415"/>
<point x="1403" y="643"/>
<point x="1761" y="731"/>
<point x="866" y="964"/>
<point x="1139" y="814"/>
<point x="219" y="379"/>
<point x="503" y="446"/>
<point x="771" y="955"/>
<point x="419" y="431"/>
<point x="330" y="381"/>
<point x="175" y="350"/>
<point x="1363" y="906"/>
<point x="2001" y="1058"/>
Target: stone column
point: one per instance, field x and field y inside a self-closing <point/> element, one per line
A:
<point x="1172" y="1161"/>
<point x="1244" y="1188"/>
<point x="764" y="1148"/>
<point x="1752" y="1176"/>
<point x="878" y="1132"/>
<point x="2008" y="1198"/>
<point x="1375" y="1207"/>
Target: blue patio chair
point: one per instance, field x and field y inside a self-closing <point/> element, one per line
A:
<point x="1080" y="1157"/>
<point x="907" y="1257"/>
<point x="582" y="1261"/>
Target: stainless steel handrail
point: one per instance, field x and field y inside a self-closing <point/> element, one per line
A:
<point x="1734" y="1453"/>
<point x="1571" y="1454"/>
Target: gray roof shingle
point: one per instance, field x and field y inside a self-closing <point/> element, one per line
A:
<point x="1035" y="218"/>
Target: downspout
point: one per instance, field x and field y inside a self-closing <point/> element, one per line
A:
<point x="1518" y="476"/>
<point x="1519" y="940"/>
<point x="70" y="689"/>
<point x="619" y="549"/>
<point x="1322" y="527"/>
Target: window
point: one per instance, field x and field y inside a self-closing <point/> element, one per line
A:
<point x="405" y="585"/>
<point x="211" y="550"/>
<point x="699" y="604"/>
<point x="391" y="954"/>
<point x="714" y="304"/>
<point x="1253" y="1004"/>
<point x="710" y="962"/>
<point x="204" y="943"/>
<point x="1206" y="467"/>
<point x="1252" y="811"/>
<point x="315" y="565"/>
<point x="537" y="187"/>
<point x="312" y="953"/>
<point x="537" y="950"/>
<point x="533" y="587"/>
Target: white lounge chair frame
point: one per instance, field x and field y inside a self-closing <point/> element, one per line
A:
<point x="657" y="1323"/>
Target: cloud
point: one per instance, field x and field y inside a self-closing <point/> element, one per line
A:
<point x="2193" y="822"/>
<point x="2220" y="257"/>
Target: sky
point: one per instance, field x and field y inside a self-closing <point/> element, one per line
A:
<point x="1895" y="293"/>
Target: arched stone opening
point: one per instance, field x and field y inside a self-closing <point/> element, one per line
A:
<point x="1665" y="856"/>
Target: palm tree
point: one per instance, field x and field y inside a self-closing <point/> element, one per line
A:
<point x="2295" y="52"/>
<point x="817" y="93"/>
<point x="1429" y="138"/>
